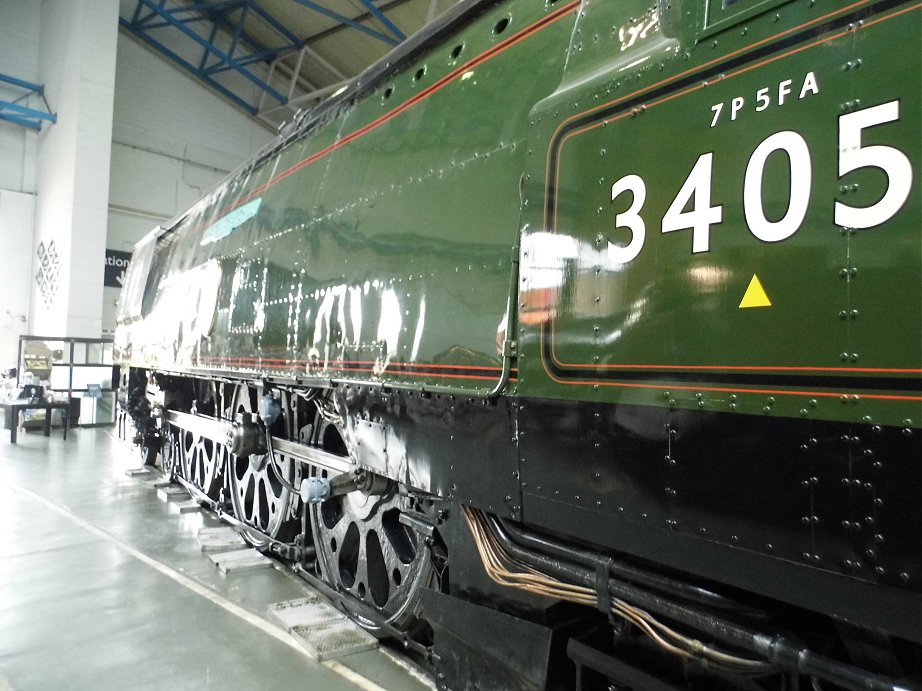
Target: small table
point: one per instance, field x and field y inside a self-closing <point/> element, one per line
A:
<point x="14" y="408"/>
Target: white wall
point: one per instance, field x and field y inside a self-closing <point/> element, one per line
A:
<point x="19" y="55"/>
<point x="172" y="141"/>
<point x="19" y="58"/>
<point x="17" y="212"/>
<point x="77" y="67"/>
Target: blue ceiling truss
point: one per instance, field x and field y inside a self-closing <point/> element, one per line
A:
<point x="200" y="23"/>
<point x="17" y="112"/>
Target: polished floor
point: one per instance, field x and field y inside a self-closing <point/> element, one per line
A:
<point x="102" y="587"/>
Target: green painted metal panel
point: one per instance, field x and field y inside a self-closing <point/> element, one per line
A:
<point x="665" y="180"/>
<point x="380" y="246"/>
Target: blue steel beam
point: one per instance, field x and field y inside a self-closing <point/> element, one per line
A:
<point x="16" y="120"/>
<point x="248" y="60"/>
<point x="182" y="62"/>
<point x="238" y="30"/>
<point x="384" y="19"/>
<point x="25" y="111"/>
<point x="214" y="33"/>
<point x="204" y="43"/>
<point x="208" y="7"/>
<point x="342" y="19"/>
<point x="22" y="84"/>
<point x="18" y="114"/>
<point x="276" y="24"/>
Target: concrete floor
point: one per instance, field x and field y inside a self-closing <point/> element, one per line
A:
<point x="102" y="587"/>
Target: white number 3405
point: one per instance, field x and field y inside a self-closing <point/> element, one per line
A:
<point x="697" y="188"/>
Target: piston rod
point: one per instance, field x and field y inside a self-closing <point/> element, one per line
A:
<point x="218" y="431"/>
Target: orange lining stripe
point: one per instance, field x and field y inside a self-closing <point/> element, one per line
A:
<point x="720" y="389"/>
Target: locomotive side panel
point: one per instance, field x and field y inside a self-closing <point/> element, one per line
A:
<point x="716" y="226"/>
<point x="339" y="258"/>
<point x="722" y="246"/>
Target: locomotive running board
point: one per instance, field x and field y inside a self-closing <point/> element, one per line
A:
<point x="217" y="431"/>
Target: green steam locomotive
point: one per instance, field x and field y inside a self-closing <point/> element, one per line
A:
<point x="575" y="343"/>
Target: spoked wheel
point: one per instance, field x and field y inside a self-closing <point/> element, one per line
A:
<point x="259" y="498"/>
<point x="201" y="461"/>
<point x="171" y="451"/>
<point x="364" y="551"/>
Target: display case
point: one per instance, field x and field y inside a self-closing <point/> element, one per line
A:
<point x="79" y="368"/>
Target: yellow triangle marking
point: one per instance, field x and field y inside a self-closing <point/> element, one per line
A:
<point x="755" y="295"/>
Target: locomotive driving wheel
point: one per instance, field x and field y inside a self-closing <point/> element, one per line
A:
<point x="197" y="459"/>
<point x="200" y="462"/>
<point x="366" y="553"/>
<point x="259" y="498"/>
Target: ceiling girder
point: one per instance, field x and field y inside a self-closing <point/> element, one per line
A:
<point x="214" y="40"/>
<point x="14" y="111"/>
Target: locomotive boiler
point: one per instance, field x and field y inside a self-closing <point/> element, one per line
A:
<point x="575" y="343"/>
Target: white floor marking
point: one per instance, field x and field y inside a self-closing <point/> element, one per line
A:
<point x="263" y="625"/>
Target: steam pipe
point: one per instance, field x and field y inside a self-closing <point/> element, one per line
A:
<point x="777" y="649"/>
<point x="619" y="569"/>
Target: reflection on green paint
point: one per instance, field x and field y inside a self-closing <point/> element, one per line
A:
<point x="229" y="223"/>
